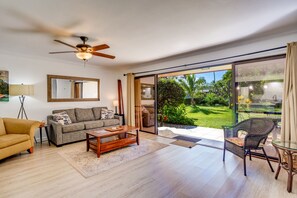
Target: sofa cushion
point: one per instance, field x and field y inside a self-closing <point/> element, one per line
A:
<point x="70" y="112"/>
<point x="12" y="139"/>
<point x="97" y="112"/>
<point x="110" y="122"/>
<point x="84" y="114"/>
<point x="2" y="127"/>
<point x="73" y="127"/>
<point x="93" y="124"/>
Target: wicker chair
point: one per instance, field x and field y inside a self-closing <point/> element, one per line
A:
<point x="257" y="130"/>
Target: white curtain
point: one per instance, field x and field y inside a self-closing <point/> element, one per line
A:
<point x="130" y="100"/>
<point x="289" y="109"/>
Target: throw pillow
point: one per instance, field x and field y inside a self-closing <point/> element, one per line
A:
<point x="70" y="113"/>
<point x="104" y="113"/>
<point x="62" y="117"/>
<point x="110" y="114"/>
<point x="107" y="114"/>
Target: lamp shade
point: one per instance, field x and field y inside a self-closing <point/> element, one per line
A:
<point x="17" y="90"/>
<point x="115" y="103"/>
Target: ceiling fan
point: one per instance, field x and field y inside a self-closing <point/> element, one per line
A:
<point x="84" y="51"/>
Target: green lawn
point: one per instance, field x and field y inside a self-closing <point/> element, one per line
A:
<point x="213" y="117"/>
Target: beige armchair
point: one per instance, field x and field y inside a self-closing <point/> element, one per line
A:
<point x="16" y="135"/>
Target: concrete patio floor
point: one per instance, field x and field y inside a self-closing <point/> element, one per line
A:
<point x="198" y="132"/>
<point x="209" y="136"/>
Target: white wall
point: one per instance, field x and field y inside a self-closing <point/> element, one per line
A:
<point x="29" y="70"/>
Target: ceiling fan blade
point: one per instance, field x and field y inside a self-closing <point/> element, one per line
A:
<point x="100" y="47"/>
<point x="65" y="43"/>
<point x="62" y="52"/>
<point x="103" y="55"/>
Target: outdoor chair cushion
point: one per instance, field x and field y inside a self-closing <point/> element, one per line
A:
<point x="235" y="140"/>
<point x="239" y="141"/>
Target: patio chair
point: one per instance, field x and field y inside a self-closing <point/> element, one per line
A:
<point x="256" y="129"/>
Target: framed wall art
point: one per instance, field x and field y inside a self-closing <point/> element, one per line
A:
<point x="147" y="91"/>
<point x="4" y="86"/>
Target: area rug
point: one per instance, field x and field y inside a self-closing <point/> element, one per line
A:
<point x="87" y="163"/>
<point x="188" y="139"/>
<point x="184" y="143"/>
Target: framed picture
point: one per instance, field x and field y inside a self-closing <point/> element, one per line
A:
<point x="4" y="86"/>
<point x="147" y="91"/>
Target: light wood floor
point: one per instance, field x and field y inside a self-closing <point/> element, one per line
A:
<point x="170" y="172"/>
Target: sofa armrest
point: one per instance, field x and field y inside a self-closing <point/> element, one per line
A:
<point x="20" y="126"/>
<point x="119" y="118"/>
<point x="55" y="132"/>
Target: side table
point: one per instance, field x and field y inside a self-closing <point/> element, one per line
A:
<point x="40" y="133"/>
<point x="289" y="148"/>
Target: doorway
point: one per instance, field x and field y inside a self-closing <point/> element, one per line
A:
<point x="207" y="105"/>
<point x="145" y="103"/>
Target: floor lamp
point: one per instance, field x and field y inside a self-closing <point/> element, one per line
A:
<point x="21" y="91"/>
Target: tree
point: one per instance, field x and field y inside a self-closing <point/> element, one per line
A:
<point x="222" y="88"/>
<point x="170" y="93"/>
<point x="192" y="85"/>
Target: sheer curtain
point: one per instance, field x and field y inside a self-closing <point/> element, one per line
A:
<point x="130" y="100"/>
<point x="289" y="109"/>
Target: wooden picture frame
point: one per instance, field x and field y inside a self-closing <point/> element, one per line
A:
<point x="76" y="90"/>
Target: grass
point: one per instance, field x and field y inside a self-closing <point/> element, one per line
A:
<point x="213" y="117"/>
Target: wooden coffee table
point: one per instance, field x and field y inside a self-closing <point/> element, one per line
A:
<point x="128" y="138"/>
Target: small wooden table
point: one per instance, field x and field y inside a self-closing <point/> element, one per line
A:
<point x="45" y="126"/>
<point x="289" y="148"/>
<point x="128" y="138"/>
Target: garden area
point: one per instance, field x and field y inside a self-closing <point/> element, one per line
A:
<point x="212" y="117"/>
<point x="192" y="101"/>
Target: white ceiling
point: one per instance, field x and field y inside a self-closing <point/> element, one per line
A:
<point x="137" y="30"/>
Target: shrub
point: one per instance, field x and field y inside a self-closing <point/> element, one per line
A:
<point x="212" y="99"/>
<point x="199" y="99"/>
<point x="177" y="115"/>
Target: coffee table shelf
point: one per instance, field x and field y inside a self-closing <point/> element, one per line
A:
<point x="96" y="145"/>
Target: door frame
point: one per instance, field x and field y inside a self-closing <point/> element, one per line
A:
<point x="155" y="76"/>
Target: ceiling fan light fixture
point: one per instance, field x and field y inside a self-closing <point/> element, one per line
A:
<point x="83" y="55"/>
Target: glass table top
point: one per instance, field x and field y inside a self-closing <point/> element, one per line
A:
<point x="290" y="145"/>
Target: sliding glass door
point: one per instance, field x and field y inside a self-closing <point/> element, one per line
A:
<point x="145" y="104"/>
<point x="258" y="92"/>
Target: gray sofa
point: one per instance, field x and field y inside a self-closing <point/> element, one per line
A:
<point x="83" y="120"/>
